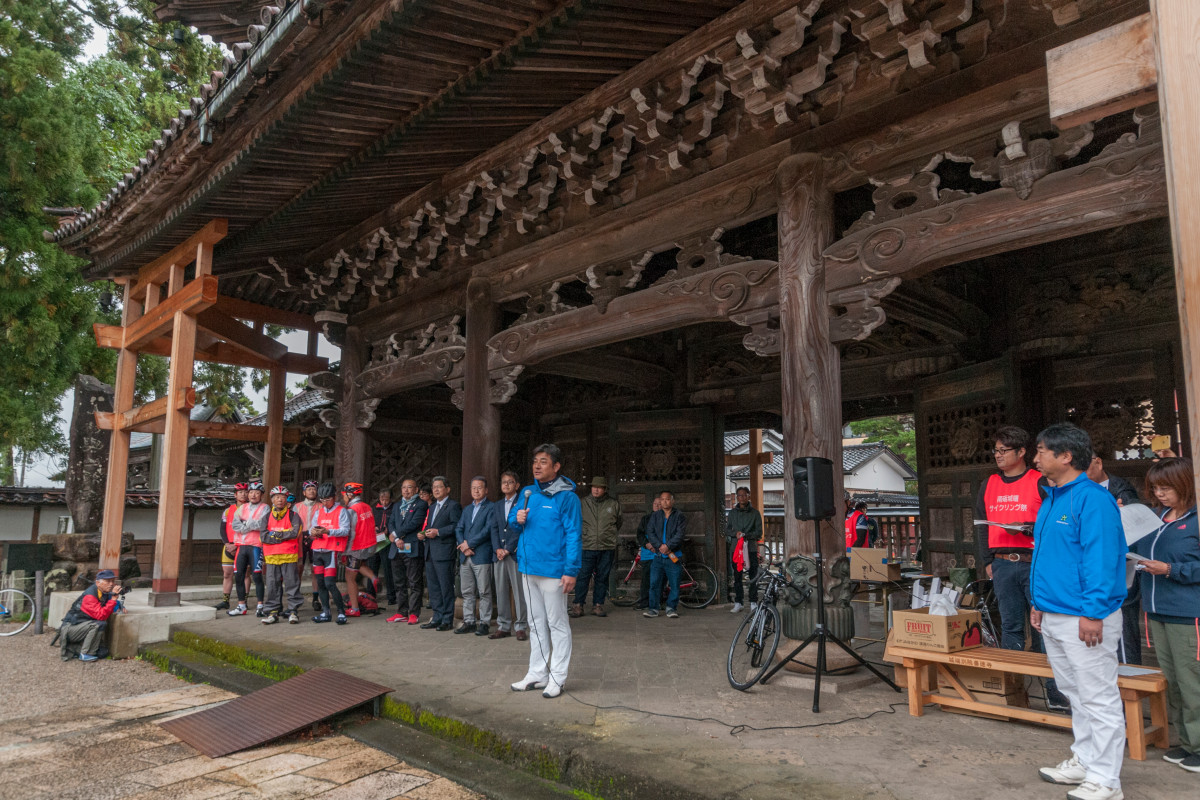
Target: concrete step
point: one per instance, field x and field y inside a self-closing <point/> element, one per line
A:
<point x="197" y="667"/>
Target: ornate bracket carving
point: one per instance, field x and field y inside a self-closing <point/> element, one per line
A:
<point x="427" y="356"/>
<point x="862" y="312"/>
<point x="502" y="386"/>
<point x="333" y="326"/>
<point x="609" y="281"/>
<point x="544" y="303"/>
<point x="763" y="338"/>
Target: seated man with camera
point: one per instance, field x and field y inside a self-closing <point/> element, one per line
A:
<point x="82" y="630"/>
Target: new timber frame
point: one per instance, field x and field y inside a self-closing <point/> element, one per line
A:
<point x="165" y="313"/>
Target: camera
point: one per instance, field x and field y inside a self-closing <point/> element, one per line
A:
<point x="124" y="590"/>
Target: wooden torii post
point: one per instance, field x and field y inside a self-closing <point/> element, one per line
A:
<point x="191" y="312"/>
<point x="755" y="458"/>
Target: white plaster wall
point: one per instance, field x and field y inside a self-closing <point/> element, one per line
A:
<point x="876" y="476"/>
<point x="16" y="522"/>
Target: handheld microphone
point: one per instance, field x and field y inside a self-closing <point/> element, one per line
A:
<point x="528" y="492"/>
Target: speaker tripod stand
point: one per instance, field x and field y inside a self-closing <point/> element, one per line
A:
<point x="821" y="636"/>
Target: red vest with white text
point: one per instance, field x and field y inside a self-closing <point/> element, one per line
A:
<point x="364" y="525"/>
<point x="1014" y="502"/>
<point x="852" y="528"/>
<point x="329" y="518"/>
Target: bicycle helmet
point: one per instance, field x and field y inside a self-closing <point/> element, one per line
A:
<point x="255" y="486"/>
<point x="283" y="490"/>
<point x="327" y="489"/>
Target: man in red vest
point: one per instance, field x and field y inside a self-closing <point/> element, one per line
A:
<point x="281" y="552"/>
<point x="332" y="530"/>
<point x="363" y="542"/>
<point x="1012" y="498"/>
<point x="307" y="509"/>
<point x="228" y="548"/>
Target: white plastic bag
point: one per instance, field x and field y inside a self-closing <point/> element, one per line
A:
<point x="940" y="605"/>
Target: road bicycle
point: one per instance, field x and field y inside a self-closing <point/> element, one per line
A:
<point x="757" y="638"/>
<point x="985" y="600"/>
<point x="697" y="582"/>
<point x="16" y="611"/>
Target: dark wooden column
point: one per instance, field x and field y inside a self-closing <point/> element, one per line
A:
<point x="811" y="380"/>
<point x="351" y="453"/>
<point x="481" y="419"/>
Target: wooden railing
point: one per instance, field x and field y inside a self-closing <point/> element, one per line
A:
<point x="899" y="533"/>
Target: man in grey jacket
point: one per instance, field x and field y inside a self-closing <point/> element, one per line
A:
<point x="743" y="521"/>
<point x="601" y="523"/>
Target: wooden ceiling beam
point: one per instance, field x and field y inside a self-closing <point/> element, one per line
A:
<point x="226" y="328"/>
<point x="220" y="352"/>
<point x="256" y="312"/>
<point x="193" y="298"/>
<point x="181" y="254"/>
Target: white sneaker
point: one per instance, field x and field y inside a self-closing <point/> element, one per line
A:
<point x="737" y="608"/>
<point x="1094" y="791"/>
<point x="527" y="683"/>
<point x="1068" y="773"/>
<point x="237" y="611"/>
<point x="553" y="689"/>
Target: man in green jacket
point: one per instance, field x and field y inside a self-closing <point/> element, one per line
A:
<point x="743" y="520"/>
<point x="601" y="522"/>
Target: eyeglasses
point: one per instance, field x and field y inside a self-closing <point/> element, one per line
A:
<point x="999" y="451"/>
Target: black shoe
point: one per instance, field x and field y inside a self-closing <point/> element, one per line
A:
<point x="445" y="626"/>
<point x="482" y="629"/>
<point x="322" y="617"/>
<point x="1175" y="755"/>
<point x="429" y="625"/>
<point x="1057" y="701"/>
<point x="316" y="604"/>
<point x="223" y="605"/>
<point x="466" y="627"/>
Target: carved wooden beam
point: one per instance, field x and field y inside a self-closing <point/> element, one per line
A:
<point x="608" y="369"/>
<point x="436" y="366"/>
<point x="193" y="299"/>
<point x="241" y="336"/>
<point x="1107" y="192"/>
<point x="710" y="296"/>
<point x="219" y="352"/>
<point x="256" y="312"/>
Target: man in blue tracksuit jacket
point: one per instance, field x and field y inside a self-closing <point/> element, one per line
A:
<point x="548" y="524"/>
<point x="1077" y="584"/>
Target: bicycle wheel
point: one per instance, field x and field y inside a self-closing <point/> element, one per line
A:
<point x="16" y="611"/>
<point x="701" y="587"/>
<point x="753" y="647"/>
<point x="625" y="591"/>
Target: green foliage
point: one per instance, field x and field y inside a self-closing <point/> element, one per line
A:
<point x="898" y="432"/>
<point x="69" y="129"/>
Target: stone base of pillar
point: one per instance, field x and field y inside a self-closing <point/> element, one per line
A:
<point x="159" y="599"/>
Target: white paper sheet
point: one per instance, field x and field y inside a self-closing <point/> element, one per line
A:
<point x="1130" y="671"/>
<point x="1138" y="521"/>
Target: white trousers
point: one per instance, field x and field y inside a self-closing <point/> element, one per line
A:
<point x="1088" y="677"/>
<point x="549" y="629"/>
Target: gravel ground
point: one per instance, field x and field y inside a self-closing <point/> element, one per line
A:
<point x="36" y="680"/>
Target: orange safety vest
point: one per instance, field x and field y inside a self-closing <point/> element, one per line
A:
<point x="328" y="519"/>
<point x="364" y="526"/>
<point x="1015" y="502"/>
<point x="291" y="546"/>
<point x="228" y="518"/>
<point x="307" y="514"/>
<point x="249" y="539"/>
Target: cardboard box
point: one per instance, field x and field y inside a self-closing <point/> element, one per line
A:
<point x="901" y="677"/>
<point x="918" y="629"/>
<point x="872" y="564"/>
<point x="978" y="679"/>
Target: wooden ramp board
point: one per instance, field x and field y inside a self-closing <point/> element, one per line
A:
<point x="273" y="712"/>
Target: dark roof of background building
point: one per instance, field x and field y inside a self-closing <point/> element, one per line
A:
<point x="853" y="457"/>
<point x="42" y="496"/>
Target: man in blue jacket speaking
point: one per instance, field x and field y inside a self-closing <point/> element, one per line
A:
<point x="1077" y="584"/>
<point x="548" y="524"/>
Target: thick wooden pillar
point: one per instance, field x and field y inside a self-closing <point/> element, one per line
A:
<point x="1177" y="51"/>
<point x="165" y="587"/>
<point x="756" y="469"/>
<point x="351" y="454"/>
<point x="118" y="459"/>
<point x="811" y="379"/>
<point x="481" y="419"/>
<point x="273" y="450"/>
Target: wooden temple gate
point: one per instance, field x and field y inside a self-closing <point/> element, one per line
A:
<point x="811" y="211"/>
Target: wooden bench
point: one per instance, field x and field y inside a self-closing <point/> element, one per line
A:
<point x="1134" y="689"/>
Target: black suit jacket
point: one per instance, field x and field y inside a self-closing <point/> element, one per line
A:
<point x="407" y="525"/>
<point x="444" y="546"/>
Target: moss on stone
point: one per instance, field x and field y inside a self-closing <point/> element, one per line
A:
<point x="237" y="656"/>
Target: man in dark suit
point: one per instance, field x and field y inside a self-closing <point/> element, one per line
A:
<point x="478" y="536"/>
<point x="405" y="556"/>
<point x="440" y="554"/>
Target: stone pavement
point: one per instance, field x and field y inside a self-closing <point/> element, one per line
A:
<point x="628" y="673"/>
<point x="115" y="749"/>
